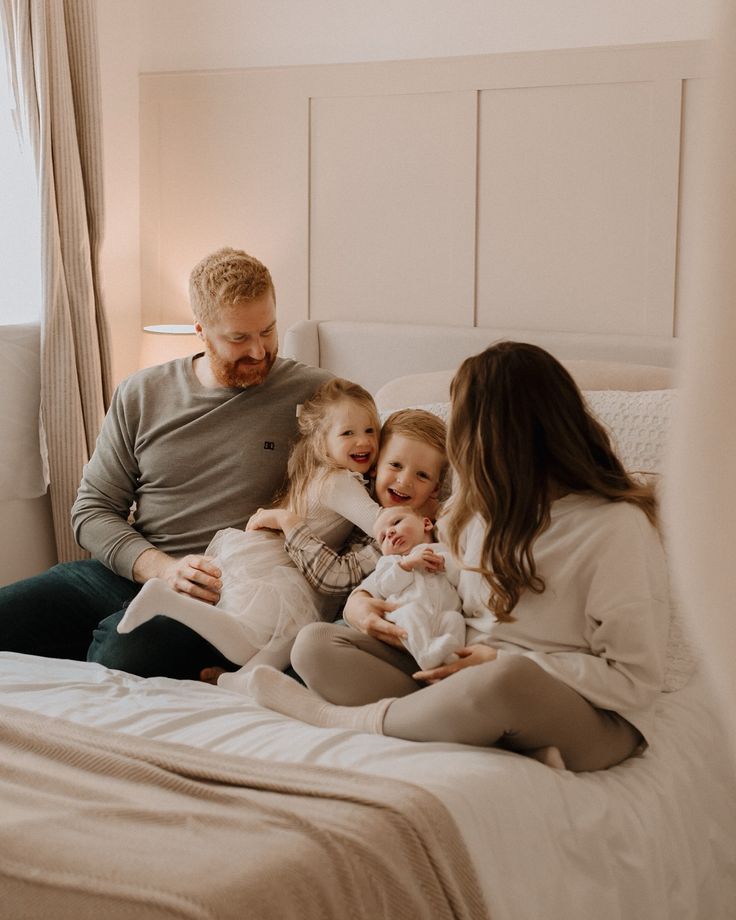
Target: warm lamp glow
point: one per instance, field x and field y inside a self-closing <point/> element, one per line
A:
<point x="167" y="341"/>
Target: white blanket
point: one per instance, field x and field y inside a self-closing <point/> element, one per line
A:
<point x="651" y="839"/>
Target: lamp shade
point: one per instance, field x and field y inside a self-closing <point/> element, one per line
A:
<point x="167" y="341"/>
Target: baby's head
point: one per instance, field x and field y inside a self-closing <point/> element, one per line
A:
<point x="412" y="459"/>
<point x="398" y="530"/>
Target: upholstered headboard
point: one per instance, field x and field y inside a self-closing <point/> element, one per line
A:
<point x="374" y="354"/>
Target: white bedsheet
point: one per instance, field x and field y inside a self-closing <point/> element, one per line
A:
<point x="652" y="839"/>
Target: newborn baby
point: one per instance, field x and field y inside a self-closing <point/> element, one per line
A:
<point x="422" y="578"/>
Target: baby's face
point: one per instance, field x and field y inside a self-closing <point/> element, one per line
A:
<point x="398" y="530"/>
<point x="407" y="472"/>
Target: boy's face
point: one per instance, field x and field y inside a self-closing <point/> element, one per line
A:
<point x="407" y="472"/>
<point x="398" y="530"/>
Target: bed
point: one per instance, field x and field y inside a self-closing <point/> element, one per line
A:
<point x="131" y="797"/>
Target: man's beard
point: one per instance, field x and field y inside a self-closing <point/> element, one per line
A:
<point x="242" y="373"/>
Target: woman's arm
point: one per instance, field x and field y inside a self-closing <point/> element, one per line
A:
<point x="366" y="614"/>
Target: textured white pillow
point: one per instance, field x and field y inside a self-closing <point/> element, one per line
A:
<point x="639" y="425"/>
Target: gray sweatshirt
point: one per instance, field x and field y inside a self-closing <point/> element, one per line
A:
<point x="193" y="459"/>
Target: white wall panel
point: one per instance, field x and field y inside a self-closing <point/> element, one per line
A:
<point x="392" y="198"/>
<point x="578" y="207"/>
<point x="536" y="191"/>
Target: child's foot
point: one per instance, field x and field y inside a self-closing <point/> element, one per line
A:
<point x="441" y="650"/>
<point x="276" y="690"/>
<point x="237" y="681"/>
<point x="550" y="756"/>
<point x="210" y="675"/>
<point x="153" y="598"/>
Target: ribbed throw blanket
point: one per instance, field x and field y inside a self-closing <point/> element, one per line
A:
<point x="96" y="824"/>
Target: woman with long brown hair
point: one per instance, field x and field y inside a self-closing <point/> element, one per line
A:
<point x="564" y="589"/>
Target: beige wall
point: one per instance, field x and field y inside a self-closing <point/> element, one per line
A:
<point x="119" y="42"/>
<point x="194" y="35"/>
<point x="161" y="35"/>
<point x="537" y="190"/>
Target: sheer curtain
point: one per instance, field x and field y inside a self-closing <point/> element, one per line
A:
<point x="52" y="52"/>
<point x="701" y="490"/>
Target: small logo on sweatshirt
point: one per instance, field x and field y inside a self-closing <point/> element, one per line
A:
<point x="269" y="445"/>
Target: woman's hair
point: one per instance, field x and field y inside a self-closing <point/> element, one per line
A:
<point x="309" y="460"/>
<point x="519" y="434"/>
<point x="225" y="278"/>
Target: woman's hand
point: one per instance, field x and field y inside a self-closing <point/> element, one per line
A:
<point x="273" y="519"/>
<point x="366" y="614"/>
<point x="467" y="657"/>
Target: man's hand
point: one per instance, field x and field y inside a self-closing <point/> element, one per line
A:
<point x="467" y="657"/>
<point x="197" y="576"/>
<point x="366" y="614"/>
<point x="424" y="558"/>
<point x="273" y="519"/>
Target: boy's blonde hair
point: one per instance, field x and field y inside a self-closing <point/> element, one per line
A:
<point x="419" y="425"/>
<point x="309" y="460"/>
<point x="225" y="278"/>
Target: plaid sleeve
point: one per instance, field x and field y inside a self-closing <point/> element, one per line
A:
<point x="329" y="572"/>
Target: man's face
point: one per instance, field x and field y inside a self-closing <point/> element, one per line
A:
<point x="398" y="530"/>
<point x="407" y="473"/>
<point x="241" y="344"/>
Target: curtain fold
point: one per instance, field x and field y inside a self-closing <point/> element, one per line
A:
<point x="52" y="51"/>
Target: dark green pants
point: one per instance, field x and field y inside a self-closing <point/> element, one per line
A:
<point x="58" y="614"/>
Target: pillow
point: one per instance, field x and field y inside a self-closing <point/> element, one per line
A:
<point x="434" y="386"/>
<point x="639" y="424"/>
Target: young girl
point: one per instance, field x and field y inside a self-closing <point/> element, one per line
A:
<point x="564" y="590"/>
<point x="264" y="598"/>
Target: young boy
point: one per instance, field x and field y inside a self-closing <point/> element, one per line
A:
<point x="421" y="577"/>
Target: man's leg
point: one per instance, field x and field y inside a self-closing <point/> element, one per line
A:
<point x="53" y="614"/>
<point x="159" y="648"/>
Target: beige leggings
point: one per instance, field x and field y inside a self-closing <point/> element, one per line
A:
<point x="510" y="702"/>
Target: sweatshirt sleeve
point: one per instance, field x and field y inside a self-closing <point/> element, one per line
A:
<point x="345" y="494"/>
<point x="328" y="572"/>
<point x="389" y="578"/>
<point x="627" y="617"/>
<point x="102" y="508"/>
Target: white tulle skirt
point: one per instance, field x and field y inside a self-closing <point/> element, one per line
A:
<point x="261" y="587"/>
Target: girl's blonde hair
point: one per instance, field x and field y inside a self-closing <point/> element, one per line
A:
<point x="309" y="460"/>
<point x="519" y="432"/>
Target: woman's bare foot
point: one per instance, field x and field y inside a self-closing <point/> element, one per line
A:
<point x="210" y="675"/>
